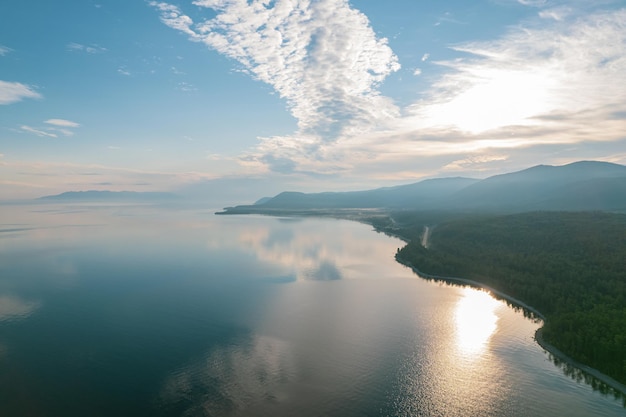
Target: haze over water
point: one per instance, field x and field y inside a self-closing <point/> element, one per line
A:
<point x="146" y="311"/>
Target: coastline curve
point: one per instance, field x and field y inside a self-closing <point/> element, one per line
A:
<point x="616" y="386"/>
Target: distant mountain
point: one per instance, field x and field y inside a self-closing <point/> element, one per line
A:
<point x="262" y="200"/>
<point x="111" y="196"/>
<point x="585" y="185"/>
<point x="545" y="187"/>
<point x="423" y="194"/>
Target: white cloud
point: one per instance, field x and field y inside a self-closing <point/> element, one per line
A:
<point x="38" y="132"/>
<point x="552" y="76"/>
<point x="322" y="57"/>
<point x="556" y="13"/>
<point x="173" y="17"/>
<point x="12" y="92"/>
<point x="552" y="81"/>
<point x="558" y="85"/>
<point x="417" y="72"/>
<point x="90" y="49"/>
<point x="4" y="50"/>
<point x="65" y="132"/>
<point x="533" y="3"/>
<point x="124" y="71"/>
<point x="186" y="87"/>
<point x="476" y="163"/>
<point x="176" y="71"/>
<point x="59" y="126"/>
<point x="62" y="123"/>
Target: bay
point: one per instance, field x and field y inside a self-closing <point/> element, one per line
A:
<point x="125" y="310"/>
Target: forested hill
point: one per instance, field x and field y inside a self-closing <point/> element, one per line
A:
<point x="550" y="236"/>
<point x="570" y="266"/>
<point x="580" y="186"/>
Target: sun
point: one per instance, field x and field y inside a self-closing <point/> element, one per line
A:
<point x="492" y="99"/>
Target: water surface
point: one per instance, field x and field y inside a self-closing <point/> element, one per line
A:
<point x="146" y="311"/>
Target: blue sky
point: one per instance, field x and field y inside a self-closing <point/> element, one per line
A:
<point x="264" y="96"/>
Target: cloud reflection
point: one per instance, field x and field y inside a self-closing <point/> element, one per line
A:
<point x="14" y="308"/>
<point x="326" y="271"/>
<point x="230" y="380"/>
<point x="306" y="253"/>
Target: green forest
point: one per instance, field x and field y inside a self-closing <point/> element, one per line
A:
<point x="571" y="266"/>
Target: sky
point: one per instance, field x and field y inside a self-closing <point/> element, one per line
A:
<point x="247" y="98"/>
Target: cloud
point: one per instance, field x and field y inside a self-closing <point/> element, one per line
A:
<point x="322" y="57"/>
<point x="59" y="126"/>
<point x="447" y="18"/>
<point x="554" y="80"/>
<point x="176" y="71"/>
<point x="37" y="131"/>
<point x="560" y="83"/>
<point x="533" y="3"/>
<point x="475" y="163"/>
<point x="186" y="87"/>
<point x="173" y="17"/>
<point x="12" y="92"/>
<point x="65" y="132"/>
<point x="556" y="13"/>
<point x="4" y="50"/>
<point x="124" y="71"/>
<point x="90" y="49"/>
<point x="62" y="123"/>
<point x="553" y="76"/>
<point x="279" y="164"/>
<point x="417" y="72"/>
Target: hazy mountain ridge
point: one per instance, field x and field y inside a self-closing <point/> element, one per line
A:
<point x="579" y="186"/>
<point x="93" y="195"/>
<point x="545" y="187"/>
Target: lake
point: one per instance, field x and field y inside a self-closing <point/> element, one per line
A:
<point x="154" y="311"/>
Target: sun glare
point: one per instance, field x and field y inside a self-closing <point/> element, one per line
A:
<point x="475" y="320"/>
<point x="496" y="99"/>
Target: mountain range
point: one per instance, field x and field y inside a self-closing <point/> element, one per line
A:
<point x="579" y="186"/>
<point x="119" y="196"/>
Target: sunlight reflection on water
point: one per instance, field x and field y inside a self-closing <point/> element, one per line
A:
<point x="475" y="321"/>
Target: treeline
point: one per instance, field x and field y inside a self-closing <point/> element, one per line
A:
<point x="571" y="266"/>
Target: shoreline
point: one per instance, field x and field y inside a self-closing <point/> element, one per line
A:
<point x="560" y="356"/>
<point x="475" y="284"/>
<point x="617" y="386"/>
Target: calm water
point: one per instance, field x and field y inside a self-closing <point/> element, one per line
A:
<point x="141" y="311"/>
